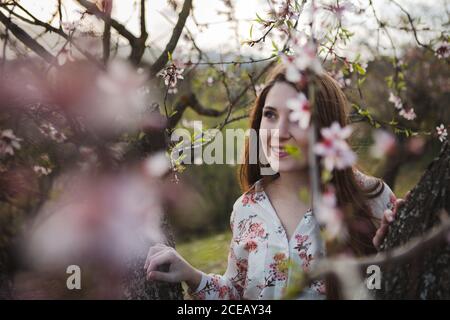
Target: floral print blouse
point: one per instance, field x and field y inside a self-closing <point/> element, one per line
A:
<point x="261" y="260"/>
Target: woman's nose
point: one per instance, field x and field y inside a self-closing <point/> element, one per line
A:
<point x="283" y="129"/>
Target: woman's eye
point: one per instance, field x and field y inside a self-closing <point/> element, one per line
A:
<point x="269" y="114"/>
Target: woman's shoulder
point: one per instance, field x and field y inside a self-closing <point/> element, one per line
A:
<point x="247" y="201"/>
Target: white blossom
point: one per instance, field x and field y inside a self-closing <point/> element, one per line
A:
<point x="300" y="110"/>
<point x="335" y="152"/>
<point x="8" y="142"/>
<point x="171" y="74"/>
<point x="442" y="133"/>
<point x="42" y="171"/>
<point x="395" y="100"/>
<point x="50" y="131"/>
<point x="408" y="114"/>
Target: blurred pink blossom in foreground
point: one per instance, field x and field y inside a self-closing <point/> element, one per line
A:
<point x="384" y="144"/>
<point x="334" y="149"/>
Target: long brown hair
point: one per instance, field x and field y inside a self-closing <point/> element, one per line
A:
<point x="332" y="105"/>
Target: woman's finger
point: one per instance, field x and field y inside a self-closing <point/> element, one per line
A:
<point x="388" y="216"/>
<point x="380" y="235"/>
<point x="154" y="249"/>
<point x="407" y="195"/>
<point x="156" y="254"/>
<point x="161" y="276"/>
<point x="398" y="204"/>
<point x="163" y="258"/>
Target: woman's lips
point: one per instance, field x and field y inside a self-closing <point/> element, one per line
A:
<point x="279" y="152"/>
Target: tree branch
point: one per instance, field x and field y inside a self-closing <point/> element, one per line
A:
<point x="50" y="28"/>
<point x="171" y="45"/>
<point x="25" y="38"/>
<point x="120" y="28"/>
<point x="399" y="255"/>
<point x="192" y="101"/>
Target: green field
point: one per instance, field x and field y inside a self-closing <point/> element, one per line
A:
<point x="207" y="254"/>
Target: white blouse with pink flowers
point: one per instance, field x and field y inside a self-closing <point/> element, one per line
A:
<point x="262" y="260"/>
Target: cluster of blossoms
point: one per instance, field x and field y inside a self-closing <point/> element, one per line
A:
<point x="283" y="10"/>
<point x="303" y="59"/>
<point x="442" y="50"/>
<point x="407" y="113"/>
<point x="8" y="142"/>
<point x="341" y="79"/>
<point x="50" y="131"/>
<point x="442" y="132"/>
<point x="335" y="152"/>
<point x="42" y="171"/>
<point x="171" y="74"/>
<point x="339" y="8"/>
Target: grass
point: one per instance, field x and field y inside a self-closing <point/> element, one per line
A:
<point x="208" y="254"/>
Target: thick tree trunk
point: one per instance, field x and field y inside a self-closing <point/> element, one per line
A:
<point x="136" y="287"/>
<point x="427" y="276"/>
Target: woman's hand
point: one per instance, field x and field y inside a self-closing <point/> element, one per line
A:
<point x="179" y="269"/>
<point x="388" y="217"/>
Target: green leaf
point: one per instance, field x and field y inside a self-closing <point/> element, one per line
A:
<point x="359" y="68"/>
<point x="274" y="46"/>
<point x="326" y="176"/>
<point x="292" y="150"/>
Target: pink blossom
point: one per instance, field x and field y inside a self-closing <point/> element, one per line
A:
<point x="64" y="56"/>
<point x="281" y="10"/>
<point x="395" y="100"/>
<point x="157" y="165"/>
<point x="330" y="216"/>
<point x="442" y="50"/>
<point x="340" y="78"/>
<point x="293" y="74"/>
<point x="408" y="114"/>
<point x="171" y="74"/>
<point x="334" y="149"/>
<point x="50" y="131"/>
<point x="42" y="171"/>
<point x="304" y="58"/>
<point x="415" y="145"/>
<point x="300" y="110"/>
<point x="384" y="144"/>
<point x="8" y="142"/>
<point x="122" y="99"/>
<point x="442" y="133"/>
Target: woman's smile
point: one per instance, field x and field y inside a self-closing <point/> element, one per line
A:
<point x="279" y="152"/>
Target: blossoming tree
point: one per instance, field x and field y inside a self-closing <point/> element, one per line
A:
<point x="80" y="117"/>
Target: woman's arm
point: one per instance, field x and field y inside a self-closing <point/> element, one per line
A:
<point x="201" y="285"/>
<point x="389" y="216"/>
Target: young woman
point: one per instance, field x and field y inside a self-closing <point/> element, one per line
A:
<point x="274" y="232"/>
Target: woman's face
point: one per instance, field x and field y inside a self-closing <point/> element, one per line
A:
<point x="276" y="131"/>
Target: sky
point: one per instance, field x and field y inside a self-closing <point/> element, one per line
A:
<point x="220" y="36"/>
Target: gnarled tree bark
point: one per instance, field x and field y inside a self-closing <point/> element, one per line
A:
<point x="427" y="274"/>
